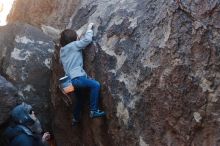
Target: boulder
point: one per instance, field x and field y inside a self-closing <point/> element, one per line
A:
<point x="25" y="58"/>
<point x="158" y="63"/>
<point x="47" y="12"/>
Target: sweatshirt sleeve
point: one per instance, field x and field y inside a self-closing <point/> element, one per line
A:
<point x="22" y="140"/>
<point x="85" y="41"/>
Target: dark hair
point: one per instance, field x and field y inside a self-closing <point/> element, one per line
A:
<point x="67" y="36"/>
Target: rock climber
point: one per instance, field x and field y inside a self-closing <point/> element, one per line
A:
<point x="72" y="60"/>
<point x="25" y="128"/>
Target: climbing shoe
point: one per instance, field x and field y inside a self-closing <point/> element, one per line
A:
<point x="97" y="113"/>
<point x="74" y="122"/>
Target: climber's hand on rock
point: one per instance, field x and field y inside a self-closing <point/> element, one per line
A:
<point x="90" y="26"/>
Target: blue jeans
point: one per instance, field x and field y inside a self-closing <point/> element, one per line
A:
<point x="93" y="85"/>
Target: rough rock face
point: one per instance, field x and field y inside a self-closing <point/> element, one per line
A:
<point x="55" y="13"/>
<point x="159" y="65"/>
<point x="8" y="97"/>
<point x="25" y="58"/>
<point x="158" y="62"/>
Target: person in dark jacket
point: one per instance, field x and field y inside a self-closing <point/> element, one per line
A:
<point x="25" y="128"/>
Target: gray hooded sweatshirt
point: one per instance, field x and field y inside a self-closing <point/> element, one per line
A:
<point x="71" y="56"/>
